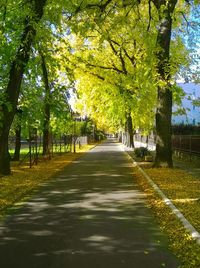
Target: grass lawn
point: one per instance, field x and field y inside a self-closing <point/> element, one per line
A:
<point x="184" y="191"/>
<point x="56" y="149"/>
<point x="19" y="186"/>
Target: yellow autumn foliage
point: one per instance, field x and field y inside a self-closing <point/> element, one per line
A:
<point x="184" y="191"/>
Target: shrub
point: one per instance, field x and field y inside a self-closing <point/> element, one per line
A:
<point x="141" y="152"/>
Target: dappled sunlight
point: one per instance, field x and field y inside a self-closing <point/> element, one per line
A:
<point x="105" y="175"/>
<point x="40" y="233"/>
<point x="65" y="211"/>
<point x="98" y="201"/>
<point x="17" y="187"/>
<point x="76" y="161"/>
<point x="96" y="238"/>
<point x="186" y="200"/>
<point x="93" y="208"/>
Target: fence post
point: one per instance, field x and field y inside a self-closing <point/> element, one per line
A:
<point x="52" y="144"/>
<point x="30" y="156"/>
<point x="36" y="149"/>
<point x="60" y="144"/>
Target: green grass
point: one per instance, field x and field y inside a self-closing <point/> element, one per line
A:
<point x="55" y="149"/>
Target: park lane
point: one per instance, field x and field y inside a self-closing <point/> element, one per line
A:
<point x="91" y="215"/>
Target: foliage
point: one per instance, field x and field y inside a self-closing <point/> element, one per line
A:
<point x="104" y="49"/>
<point x="141" y="152"/>
<point x="115" y="71"/>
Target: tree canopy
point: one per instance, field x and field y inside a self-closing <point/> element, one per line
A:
<point x="121" y="57"/>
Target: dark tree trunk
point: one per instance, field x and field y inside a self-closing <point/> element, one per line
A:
<point x="14" y="84"/>
<point x="17" y="144"/>
<point x="163" y="129"/>
<point x="164" y="108"/>
<point x="18" y="129"/>
<point x="18" y="136"/>
<point x="130" y="142"/>
<point x="4" y="153"/>
<point x="47" y="108"/>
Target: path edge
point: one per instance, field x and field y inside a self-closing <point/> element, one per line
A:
<point x="187" y="225"/>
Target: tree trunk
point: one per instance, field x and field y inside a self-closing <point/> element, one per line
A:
<point x="163" y="129"/>
<point x="4" y="153"/>
<point x="130" y="142"/>
<point x="18" y="129"/>
<point x="12" y="91"/>
<point x="17" y="144"/>
<point x="164" y="108"/>
<point x="47" y="108"/>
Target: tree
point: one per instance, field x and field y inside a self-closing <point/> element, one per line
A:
<point x="165" y="11"/>
<point x="117" y="59"/>
<point x="122" y="47"/>
<point x="12" y="90"/>
<point x="163" y="15"/>
<point x="18" y="129"/>
<point x="47" y="107"/>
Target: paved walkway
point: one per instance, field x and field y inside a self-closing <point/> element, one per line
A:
<point x="91" y="215"/>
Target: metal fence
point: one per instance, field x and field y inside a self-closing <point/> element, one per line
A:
<point x="186" y="143"/>
<point x="182" y="143"/>
<point x="31" y="150"/>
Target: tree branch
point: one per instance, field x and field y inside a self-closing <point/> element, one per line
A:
<point x="98" y="76"/>
<point x="150" y="17"/>
<point x="132" y="59"/>
<point x="119" y="55"/>
<point x="122" y="62"/>
<point x="114" y="68"/>
<point x="112" y="47"/>
<point x="187" y="22"/>
<point x="102" y="7"/>
<point x="117" y="69"/>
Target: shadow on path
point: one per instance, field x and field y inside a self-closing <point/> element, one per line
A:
<point x="91" y="215"/>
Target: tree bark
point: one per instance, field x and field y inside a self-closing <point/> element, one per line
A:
<point x="18" y="129"/>
<point x="130" y="142"/>
<point x="12" y="90"/>
<point x="17" y="144"/>
<point x="47" y="108"/>
<point x="164" y="108"/>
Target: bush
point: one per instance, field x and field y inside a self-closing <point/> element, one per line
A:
<point x="141" y="152"/>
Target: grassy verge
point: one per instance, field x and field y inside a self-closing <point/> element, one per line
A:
<point x="19" y="186"/>
<point x="184" y="191"/>
<point x="25" y="150"/>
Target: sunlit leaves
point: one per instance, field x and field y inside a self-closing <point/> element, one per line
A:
<point x="115" y="64"/>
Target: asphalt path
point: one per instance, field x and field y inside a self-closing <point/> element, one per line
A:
<point x="90" y="215"/>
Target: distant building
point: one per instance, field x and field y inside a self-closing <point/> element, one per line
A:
<point x="191" y="109"/>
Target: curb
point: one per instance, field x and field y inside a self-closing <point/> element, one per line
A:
<point x="188" y="226"/>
